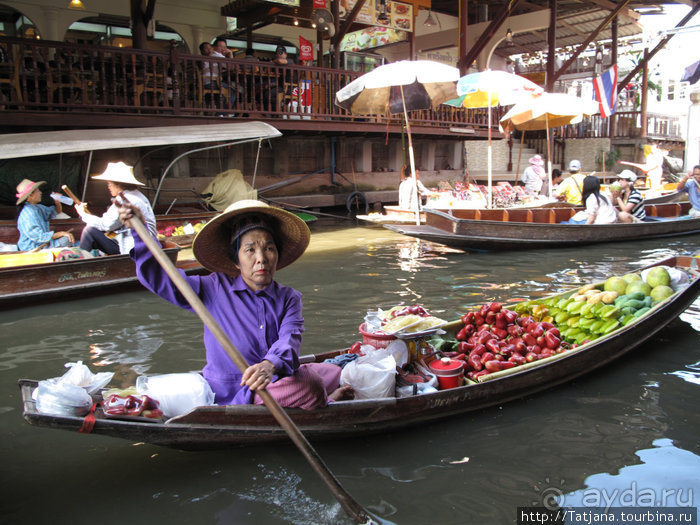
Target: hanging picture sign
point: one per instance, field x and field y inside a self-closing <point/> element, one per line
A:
<point x="371" y="37"/>
<point x="399" y="14"/>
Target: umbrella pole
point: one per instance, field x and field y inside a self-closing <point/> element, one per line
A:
<point x="549" y="157"/>
<point x="520" y="154"/>
<point x="410" y="158"/>
<point x="490" y="200"/>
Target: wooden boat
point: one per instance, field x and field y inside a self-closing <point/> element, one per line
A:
<point x="10" y="235"/>
<point x="220" y="426"/>
<point x="61" y="279"/>
<point x="510" y="229"/>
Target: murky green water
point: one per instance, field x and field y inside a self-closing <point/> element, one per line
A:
<point x="632" y="425"/>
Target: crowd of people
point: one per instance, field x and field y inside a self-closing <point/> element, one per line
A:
<point x="220" y="78"/>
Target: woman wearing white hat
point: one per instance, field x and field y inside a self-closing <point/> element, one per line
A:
<point x="243" y="247"/>
<point x="33" y="219"/>
<point x="120" y="179"/>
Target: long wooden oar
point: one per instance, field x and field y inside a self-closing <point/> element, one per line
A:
<point x="352" y="507"/>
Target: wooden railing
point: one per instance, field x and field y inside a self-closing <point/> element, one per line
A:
<point x="38" y="75"/>
<point x="43" y="76"/>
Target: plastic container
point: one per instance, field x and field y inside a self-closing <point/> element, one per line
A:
<point x="450" y="372"/>
<point x="377" y="340"/>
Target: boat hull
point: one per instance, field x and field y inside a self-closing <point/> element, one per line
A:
<point x="478" y="234"/>
<point x="63" y="279"/>
<point x="224" y="426"/>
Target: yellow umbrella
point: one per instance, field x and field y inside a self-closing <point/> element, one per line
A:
<point x="486" y="89"/>
<point x="548" y="110"/>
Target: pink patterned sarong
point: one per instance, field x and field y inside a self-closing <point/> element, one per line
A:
<point x="308" y="388"/>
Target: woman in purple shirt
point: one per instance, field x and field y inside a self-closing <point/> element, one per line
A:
<point x="243" y="247"/>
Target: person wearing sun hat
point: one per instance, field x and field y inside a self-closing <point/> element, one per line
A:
<point x="534" y="175"/>
<point x="120" y="179"/>
<point x="628" y="199"/>
<point x="243" y="247"/>
<point x="33" y="219"/>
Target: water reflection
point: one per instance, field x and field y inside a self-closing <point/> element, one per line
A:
<point x="474" y="468"/>
<point x="666" y="477"/>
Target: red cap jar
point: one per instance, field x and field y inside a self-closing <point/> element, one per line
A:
<point x="450" y="372"/>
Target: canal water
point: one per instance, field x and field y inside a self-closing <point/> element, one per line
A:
<point x="620" y="435"/>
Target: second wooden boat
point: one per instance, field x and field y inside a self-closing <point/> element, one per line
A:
<point x="511" y="229"/>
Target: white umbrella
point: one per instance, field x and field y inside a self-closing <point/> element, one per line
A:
<point x="399" y="87"/>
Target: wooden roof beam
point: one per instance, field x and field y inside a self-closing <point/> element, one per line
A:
<point x="480" y="44"/>
<point x="607" y="4"/>
<point x="588" y="40"/>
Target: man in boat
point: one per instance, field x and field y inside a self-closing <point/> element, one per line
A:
<point x="571" y="188"/>
<point x="243" y="247"/>
<point x="690" y="184"/>
<point x="534" y="175"/>
<point x="407" y="191"/>
<point x="628" y="199"/>
<point x="107" y="233"/>
<point x="33" y="219"/>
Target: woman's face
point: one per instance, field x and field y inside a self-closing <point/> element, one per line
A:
<point x="113" y="188"/>
<point x="34" y="197"/>
<point x="257" y="259"/>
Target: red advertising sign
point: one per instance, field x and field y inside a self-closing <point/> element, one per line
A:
<point x="306" y="50"/>
<point x="319" y="4"/>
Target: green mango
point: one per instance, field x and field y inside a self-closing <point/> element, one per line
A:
<point x="641" y="311"/>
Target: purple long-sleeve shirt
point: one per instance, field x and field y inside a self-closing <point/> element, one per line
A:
<point x="265" y="324"/>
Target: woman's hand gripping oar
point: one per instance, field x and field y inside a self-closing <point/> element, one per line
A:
<point x="351" y="507"/>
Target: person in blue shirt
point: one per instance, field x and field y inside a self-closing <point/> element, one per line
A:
<point x="33" y="219"/>
<point x="690" y="184"/>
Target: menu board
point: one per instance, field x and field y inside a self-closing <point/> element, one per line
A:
<point x="371" y="37"/>
<point x="399" y="14"/>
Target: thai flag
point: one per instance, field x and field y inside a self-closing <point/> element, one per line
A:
<point x="605" y="87"/>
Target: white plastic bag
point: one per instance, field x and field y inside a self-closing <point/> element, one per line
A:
<point x="80" y="375"/>
<point x="372" y="375"/>
<point x="54" y="396"/>
<point x="176" y="393"/>
<point x="679" y="279"/>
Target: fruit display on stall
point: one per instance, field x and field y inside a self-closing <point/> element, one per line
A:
<point x="596" y="310"/>
<point x="495" y="338"/>
<point x="415" y="317"/>
<point x="181" y="230"/>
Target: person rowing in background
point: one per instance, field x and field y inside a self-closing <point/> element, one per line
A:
<point x="120" y="179"/>
<point x="628" y="199"/>
<point x="243" y="247"/>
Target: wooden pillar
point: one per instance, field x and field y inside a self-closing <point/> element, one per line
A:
<point x="551" y="45"/>
<point x="463" y="23"/>
<point x="612" y="123"/>
<point x="645" y="94"/>
<point x="334" y="54"/>
<point x="319" y="44"/>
